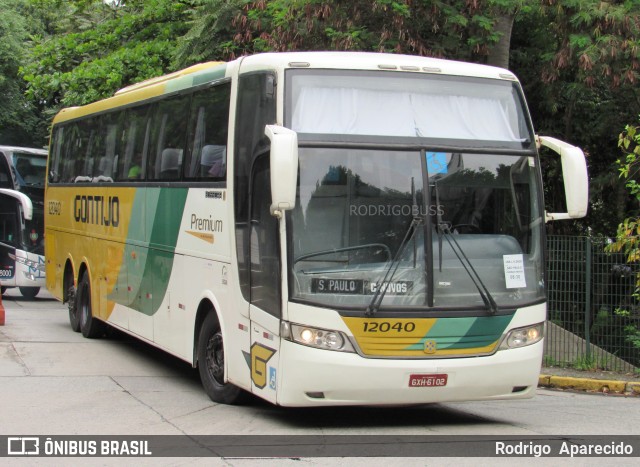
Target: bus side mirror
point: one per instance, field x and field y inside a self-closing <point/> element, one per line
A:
<point x="576" y="180"/>
<point x="22" y="199"/>
<point x="284" y="167"/>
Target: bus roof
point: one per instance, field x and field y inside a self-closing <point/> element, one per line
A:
<point x="372" y="61"/>
<point x="192" y="76"/>
<point x="278" y="61"/>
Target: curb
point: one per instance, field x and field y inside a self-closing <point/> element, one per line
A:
<point x="591" y="385"/>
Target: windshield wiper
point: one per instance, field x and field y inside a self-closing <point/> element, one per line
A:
<point x="381" y="291"/>
<point x="487" y="298"/>
<point x="444" y="228"/>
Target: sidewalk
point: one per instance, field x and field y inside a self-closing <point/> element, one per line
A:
<point x="607" y="382"/>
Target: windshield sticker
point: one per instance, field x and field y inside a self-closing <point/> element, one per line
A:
<point x="436" y="163"/>
<point x="514" y="271"/>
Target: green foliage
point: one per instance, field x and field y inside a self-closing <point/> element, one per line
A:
<point x="628" y="235"/>
<point x="548" y="360"/>
<point x="586" y="363"/>
<point x="107" y="48"/>
<point x="456" y="29"/>
<point x="19" y="123"/>
<point x="631" y="329"/>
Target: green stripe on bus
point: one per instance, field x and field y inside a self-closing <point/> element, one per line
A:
<point x="465" y="333"/>
<point x="146" y="270"/>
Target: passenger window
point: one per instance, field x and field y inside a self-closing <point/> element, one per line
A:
<point x="104" y="147"/>
<point x="74" y="151"/>
<point x="135" y="144"/>
<point x="208" y="129"/>
<point x="168" y="130"/>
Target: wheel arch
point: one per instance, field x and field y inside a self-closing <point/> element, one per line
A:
<point x="68" y="279"/>
<point x="205" y="307"/>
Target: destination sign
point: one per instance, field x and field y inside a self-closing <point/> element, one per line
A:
<point x="359" y="286"/>
<point x="339" y="286"/>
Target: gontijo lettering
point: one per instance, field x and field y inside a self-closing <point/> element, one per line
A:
<point x="97" y="209"/>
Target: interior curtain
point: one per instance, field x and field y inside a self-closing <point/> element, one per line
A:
<point x="365" y="112"/>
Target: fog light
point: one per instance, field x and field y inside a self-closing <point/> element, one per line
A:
<point x="522" y="337"/>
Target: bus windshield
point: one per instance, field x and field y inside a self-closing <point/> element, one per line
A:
<point x="30" y="169"/>
<point x="420" y="225"/>
<point x="355" y="207"/>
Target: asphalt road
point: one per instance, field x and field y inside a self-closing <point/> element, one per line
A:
<point x="55" y="382"/>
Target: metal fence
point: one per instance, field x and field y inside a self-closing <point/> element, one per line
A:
<point x="593" y="318"/>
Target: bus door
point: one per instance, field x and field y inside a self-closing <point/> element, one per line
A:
<point x="265" y="284"/>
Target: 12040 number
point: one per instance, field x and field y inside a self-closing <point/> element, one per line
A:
<point x="386" y="326"/>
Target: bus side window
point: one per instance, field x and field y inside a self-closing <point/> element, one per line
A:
<point x="134" y="143"/>
<point x="74" y="147"/>
<point x="56" y="154"/>
<point x="105" y="147"/>
<point x="208" y="129"/>
<point x="169" y="128"/>
<point x="6" y="180"/>
<point x="9" y="220"/>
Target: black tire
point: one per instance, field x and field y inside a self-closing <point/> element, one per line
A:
<point x="29" y="292"/>
<point x="90" y="326"/>
<point x="211" y="364"/>
<point x="74" y="319"/>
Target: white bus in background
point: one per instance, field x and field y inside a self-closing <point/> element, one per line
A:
<point x="22" y="179"/>
<point x="313" y="228"/>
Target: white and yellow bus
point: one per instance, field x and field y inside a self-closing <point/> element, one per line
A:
<point x="313" y="228"/>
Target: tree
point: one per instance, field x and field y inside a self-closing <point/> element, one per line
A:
<point x="578" y="61"/>
<point x="628" y="235"/>
<point x="103" y="48"/>
<point x="225" y="29"/>
<point x="18" y="123"/>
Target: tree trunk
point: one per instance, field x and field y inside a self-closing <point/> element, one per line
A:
<point x="499" y="54"/>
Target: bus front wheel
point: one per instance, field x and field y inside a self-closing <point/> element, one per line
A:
<point x="89" y="326"/>
<point x="211" y="364"/>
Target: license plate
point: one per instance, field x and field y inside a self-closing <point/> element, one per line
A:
<point x="427" y="381"/>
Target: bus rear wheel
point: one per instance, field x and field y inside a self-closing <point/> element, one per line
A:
<point x="211" y="364"/>
<point x="89" y="326"/>
<point x="29" y="292"/>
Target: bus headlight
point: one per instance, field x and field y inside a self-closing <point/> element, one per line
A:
<point x="521" y="337"/>
<point x="316" y="337"/>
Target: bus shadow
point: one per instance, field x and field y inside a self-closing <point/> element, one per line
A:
<point x="426" y="415"/>
<point x="14" y="295"/>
